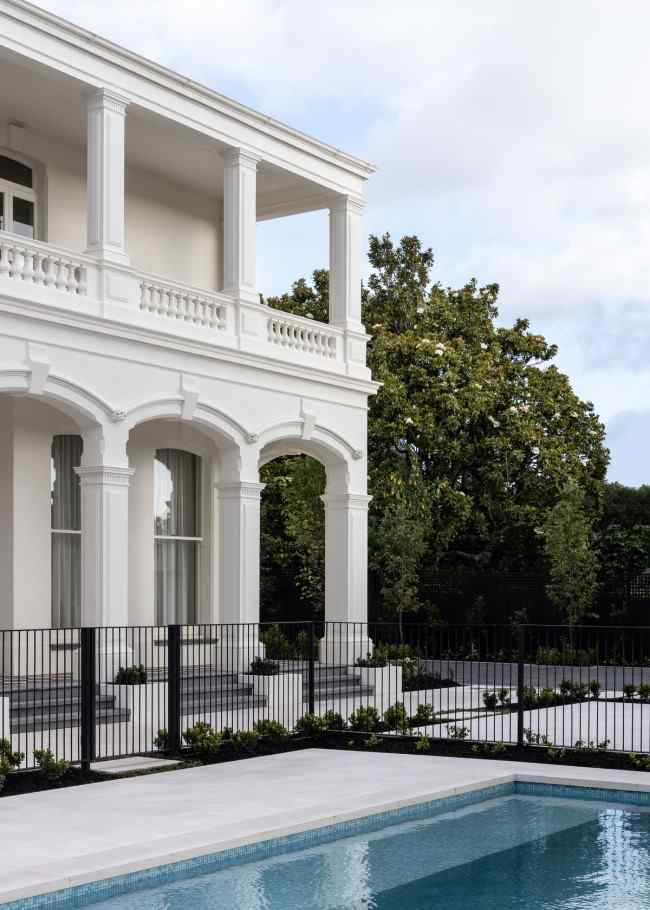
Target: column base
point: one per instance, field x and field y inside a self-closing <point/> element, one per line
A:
<point x="345" y="649"/>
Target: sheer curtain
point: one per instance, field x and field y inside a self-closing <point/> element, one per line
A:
<point x="177" y="534"/>
<point x="66" y="532"/>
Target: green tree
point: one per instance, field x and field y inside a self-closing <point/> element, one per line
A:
<point x="486" y="421"/>
<point x="573" y="567"/>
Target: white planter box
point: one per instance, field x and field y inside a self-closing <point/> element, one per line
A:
<point x="283" y="695"/>
<point x="147" y="704"/>
<point x="386" y="683"/>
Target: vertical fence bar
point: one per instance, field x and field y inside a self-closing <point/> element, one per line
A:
<point x="88" y="696"/>
<point x="312" y="660"/>
<point x="174" y="689"/>
<point x="520" y="684"/>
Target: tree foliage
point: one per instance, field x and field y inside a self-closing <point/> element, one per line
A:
<point x="473" y="415"/>
<point x="573" y="567"/>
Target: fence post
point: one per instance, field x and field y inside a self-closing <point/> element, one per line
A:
<point x="174" y="689"/>
<point x="521" y="641"/>
<point x="88" y="660"/>
<point x="312" y="659"/>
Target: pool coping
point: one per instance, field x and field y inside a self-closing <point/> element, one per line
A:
<point x="57" y="889"/>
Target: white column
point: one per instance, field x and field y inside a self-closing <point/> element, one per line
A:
<point x="104" y="544"/>
<point x="239" y="224"/>
<point x="239" y="568"/>
<point x="345" y="263"/>
<point x="346" y="577"/>
<point x="106" y="114"/>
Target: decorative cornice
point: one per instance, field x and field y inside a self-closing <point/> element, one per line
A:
<point x="244" y="156"/>
<point x="106" y="100"/>
<point x="351" y="204"/>
<point x="104" y="475"/>
<point x="247" y="490"/>
<point x="344" y="502"/>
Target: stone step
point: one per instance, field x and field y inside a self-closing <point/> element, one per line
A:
<point x="29" y="723"/>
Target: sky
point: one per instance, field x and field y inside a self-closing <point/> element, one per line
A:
<point x="513" y="138"/>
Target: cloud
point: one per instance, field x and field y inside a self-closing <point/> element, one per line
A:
<point x="512" y="137"/>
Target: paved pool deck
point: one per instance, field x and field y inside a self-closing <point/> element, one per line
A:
<point x="57" y="839"/>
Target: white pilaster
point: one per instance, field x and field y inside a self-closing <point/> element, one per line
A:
<point x="346" y="577"/>
<point x="345" y="263"/>
<point x="106" y="115"/>
<point x="239" y="569"/>
<point x="239" y="224"/>
<point x="104" y="545"/>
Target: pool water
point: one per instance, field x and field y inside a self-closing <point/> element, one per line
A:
<point x="514" y="851"/>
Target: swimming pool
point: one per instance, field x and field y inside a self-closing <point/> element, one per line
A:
<point x="508" y="846"/>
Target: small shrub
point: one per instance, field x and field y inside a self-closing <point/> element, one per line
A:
<point x="9" y="760"/>
<point x="263" y="666"/>
<point x="490" y="700"/>
<point x="131" y="676"/>
<point x="278" y="647"/>
<point x="203" y="741"/>
<point x="489" y="748"/>
<point x="594" y="688"/>
<point x="549" y="656"/>
<point x="161" y="740"/>
<point x="536" y="739"/>
<point x="455" y="732"/>
<point x="629" y="690"/>
<point x="566" y="687"/>
<point x="245" y="741"/>
<point x="311" y="725"/>
<point x="364" y="719"/>
<point x="274" y="731"/>
<point x="333" y="720"/>
<point x="50" y="767"/>
<point x="555" y="754"/>
<point x="504" y="697"/>
<point x="643" y="691"/>
<point x="396" y="717"/>
<point x="640" y="762"/>
<point x="423" y="745"/>
<point x="372" y="660"/>
<point x="423" y="716"/>
<point x="373" y="742"/>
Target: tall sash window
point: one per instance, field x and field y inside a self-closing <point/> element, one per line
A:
<point x="177" y="534"/>
<point x="66" y="532"/>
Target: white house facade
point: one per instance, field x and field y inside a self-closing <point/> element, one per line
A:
<point x="143" y="382"/>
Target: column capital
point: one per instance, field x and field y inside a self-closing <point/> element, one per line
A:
<point x="346" y="501"/>
<point x="106" y="99"/>
<point x="248" y="490"/>
<point x="104" y="475"/>
<point x="234" y="155"/>
<point x="353" y="205"/>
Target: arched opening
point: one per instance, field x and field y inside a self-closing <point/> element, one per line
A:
<point x="40" y="515"/>
<point x="172" y="526"/>
<point x="292" y="540"/>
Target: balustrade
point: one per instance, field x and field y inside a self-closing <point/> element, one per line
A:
<point x="177" y="302"/>
<point x="41" y="265"/>
<point x="299" y="335"/>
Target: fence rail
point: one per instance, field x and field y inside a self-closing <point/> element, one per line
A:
<point x="94" y="694"/>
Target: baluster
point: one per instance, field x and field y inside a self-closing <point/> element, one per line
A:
<point x="18" y="264"/>
<point x="38" y="268"/>
<point x="82" y="281"/>
<point x="71" y="280"/>
<point x="145" y="296"/>
<point x="28" y="267"/>
<point x="4" y="260"/>
<point x="163" y="301"/>
<point x="61" y="275"/>
<point x="50" y="272"/>
<point x="203" y="308"/>
<point x="188" y="307"/>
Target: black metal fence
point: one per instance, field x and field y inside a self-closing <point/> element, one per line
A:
<point x="94" y="694"/>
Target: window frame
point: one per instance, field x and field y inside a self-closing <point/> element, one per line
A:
<point x="36" y="194"/>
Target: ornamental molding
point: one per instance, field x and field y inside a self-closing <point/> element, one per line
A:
<point x="104" y="476"/>
<point x="38" y="360"/>
<point x="247" y="490"/>
<point x="343" y="502"/>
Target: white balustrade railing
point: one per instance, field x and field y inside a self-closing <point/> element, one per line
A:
<point x="298" y="334"/>
<point x="41" y="264"/>
<point x="178" y="302"/>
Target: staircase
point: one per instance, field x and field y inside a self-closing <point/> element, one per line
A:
<point x="51" y="703"/>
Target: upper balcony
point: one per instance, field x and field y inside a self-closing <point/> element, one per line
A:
<point x="130" y="194"/>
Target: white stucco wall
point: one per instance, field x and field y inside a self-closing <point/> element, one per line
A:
<point x="171" y="232"/>
<point x="27" y="428"/>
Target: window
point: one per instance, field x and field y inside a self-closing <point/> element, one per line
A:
<point x="177" y="536"/>
<point x="66" y="532"/>
<point x="17" y="198"/>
